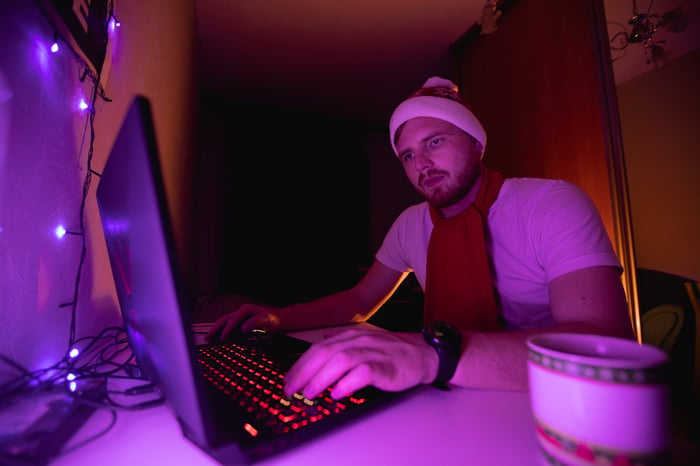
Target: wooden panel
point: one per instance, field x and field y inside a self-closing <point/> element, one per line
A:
<point x="534" y="83"/>
<point x="542" y="85"/>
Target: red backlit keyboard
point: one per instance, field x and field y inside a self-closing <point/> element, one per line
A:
<point x="255" y="383"/>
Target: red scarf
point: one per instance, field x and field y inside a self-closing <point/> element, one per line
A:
<point x="458" y="286"/>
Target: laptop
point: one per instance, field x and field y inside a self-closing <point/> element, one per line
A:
<point x="225" y="396"/>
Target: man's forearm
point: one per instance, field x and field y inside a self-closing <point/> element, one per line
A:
<point x="498" y="360"/>
<point x="340" y="308"/>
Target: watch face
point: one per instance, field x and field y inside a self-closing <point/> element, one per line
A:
<point x="443" y="334"/>
<point x="440" y="329"/>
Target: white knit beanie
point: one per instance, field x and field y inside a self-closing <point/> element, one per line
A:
<point x="437" y="98"/>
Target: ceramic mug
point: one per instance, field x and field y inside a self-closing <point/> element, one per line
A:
<point x="599" y="400"/>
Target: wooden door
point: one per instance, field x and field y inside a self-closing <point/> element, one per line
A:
<point x="542" y="85"/>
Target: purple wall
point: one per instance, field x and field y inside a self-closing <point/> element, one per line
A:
<point x="44" y="142"/>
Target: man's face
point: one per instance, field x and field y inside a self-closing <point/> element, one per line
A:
<point x="440" y="160"/>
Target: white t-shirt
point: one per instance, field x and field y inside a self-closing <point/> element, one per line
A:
<point x="539" y="229"/>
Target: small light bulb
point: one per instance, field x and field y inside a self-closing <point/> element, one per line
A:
<point x="72" y="386"/>
<point x="54" y="47"/>
<point x="70" y="377"/>
<point x="60" y="232"/>
<point x="82" y="105"/>
<point x="74" y="353"/>
<point x="113" y="24"/>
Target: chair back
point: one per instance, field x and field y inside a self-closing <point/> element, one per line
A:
<point x="670" y="318"/>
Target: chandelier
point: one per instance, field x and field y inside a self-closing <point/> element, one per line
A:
<point x="644" y="26"/>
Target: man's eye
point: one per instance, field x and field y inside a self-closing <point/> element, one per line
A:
<point x="435" y="142"/>
<point x="407" y="156"/>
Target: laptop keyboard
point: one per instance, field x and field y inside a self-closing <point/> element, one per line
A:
<point x="255" y="383"/>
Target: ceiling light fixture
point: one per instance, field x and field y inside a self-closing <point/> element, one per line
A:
<point x="644" y="27"/>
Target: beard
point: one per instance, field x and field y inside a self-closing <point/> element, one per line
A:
<point x="454" y="188"/>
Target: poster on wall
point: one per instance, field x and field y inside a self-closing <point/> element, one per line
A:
<point x="82" y="24"/>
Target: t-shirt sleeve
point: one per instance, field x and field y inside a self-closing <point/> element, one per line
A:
<point x="390" y="253"/>
<point x="569" y="233"/>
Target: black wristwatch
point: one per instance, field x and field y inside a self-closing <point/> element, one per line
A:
<point x="447" y="342"/>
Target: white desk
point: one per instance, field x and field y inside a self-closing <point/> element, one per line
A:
<point x="429" y="427"/>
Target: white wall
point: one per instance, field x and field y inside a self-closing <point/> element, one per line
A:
<point x="660" y="119"/>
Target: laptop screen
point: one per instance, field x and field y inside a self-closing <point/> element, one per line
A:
<point x="154" y="305"/>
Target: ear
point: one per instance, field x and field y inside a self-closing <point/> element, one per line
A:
<point x="479" y="147"/>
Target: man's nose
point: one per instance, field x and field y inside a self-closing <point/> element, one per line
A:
<point x="423" y="160"/>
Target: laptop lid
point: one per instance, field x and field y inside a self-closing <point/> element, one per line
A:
<point x="152" y="295"/>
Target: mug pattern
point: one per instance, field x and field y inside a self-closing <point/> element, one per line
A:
<point x="643" y="376"/>
<point x="561" y="450"/>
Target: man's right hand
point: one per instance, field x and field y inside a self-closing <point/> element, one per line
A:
<point x="245" y="319"/>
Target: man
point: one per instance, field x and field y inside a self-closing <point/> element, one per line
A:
<point x="499" y="260"/>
